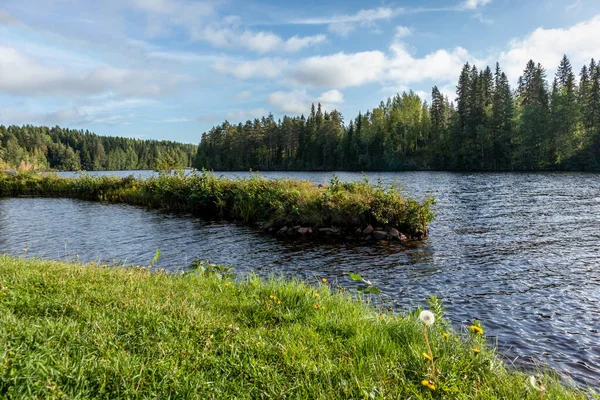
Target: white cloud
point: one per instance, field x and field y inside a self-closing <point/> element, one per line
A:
<point x="299" y="101"/>
<point x="340" y="70"/>
<point x="580" y="43"/>
<point x="331" y="96"/>
<point x="22" y="75"/>
<point x="263" y="67"/>
<point x="403" y="31"/>
<point x="473" y="4"/>
<point x="295" y="102"/>
<point x="260" y="42"/>
<point x="346" y="23"/>
<point x="244" y="115"/>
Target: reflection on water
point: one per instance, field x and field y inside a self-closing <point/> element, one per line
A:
<point x="521" y="252"/>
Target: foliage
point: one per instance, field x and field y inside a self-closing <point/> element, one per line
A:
<point x="254" y="200"/>
<point x="72" y="150"/>
<point x="81" y="331"/>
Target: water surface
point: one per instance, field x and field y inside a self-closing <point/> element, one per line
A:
<point x="521" y="252"/>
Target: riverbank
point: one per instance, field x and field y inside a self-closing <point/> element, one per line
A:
<point x="358" y="210"/>
<point x="71" y="330"/>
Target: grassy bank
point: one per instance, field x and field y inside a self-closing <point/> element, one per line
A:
<point x="82" y="331"/>
<point x="338" y="208"/>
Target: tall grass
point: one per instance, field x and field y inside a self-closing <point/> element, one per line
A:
<point x="254" y="200"/>
<point x="81" y="331"/>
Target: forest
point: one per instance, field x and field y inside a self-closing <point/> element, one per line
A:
<point x="489" y="126"/>
<point x="43" y="148"/>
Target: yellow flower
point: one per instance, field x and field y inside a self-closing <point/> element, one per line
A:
<point x="272" y="297"/>
<point x="429" y="384"/>
<point x="324" y="280"/>
<point x="104" y="265"/>
<point x="92" y="263"/>
<point x="227" y="285"/>
<point x="317" y="295"/>
<point x="476" y="351"/>
<point x="278" y="302"/>
<point x="316" y="306"/>
<point x="446" y="335"/>
<point x="427" y="356"/>
<point x="476" y="329"/>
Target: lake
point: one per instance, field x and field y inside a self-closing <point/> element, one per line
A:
<point x="519" y="251"/>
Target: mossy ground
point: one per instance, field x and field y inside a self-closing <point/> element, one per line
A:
<point x="83" y="331"/>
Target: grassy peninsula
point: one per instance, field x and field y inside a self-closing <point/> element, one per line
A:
<point x="84" y="331"/>
<point x="360" y="209"/>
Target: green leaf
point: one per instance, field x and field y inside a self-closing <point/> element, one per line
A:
<point x="355" y="277"/>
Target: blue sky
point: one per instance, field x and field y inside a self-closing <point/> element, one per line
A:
<point x="171" y="69"/>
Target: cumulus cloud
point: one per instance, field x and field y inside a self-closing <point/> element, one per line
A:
<point x="331" y="96"/>
<point x="244" y="115"/>
<point x="474" y="4"/>
<point x="340" y="70"/>
<point x="580" y="43"/>
<point x="263" y="67"/>
<point x="299" y="101"/>
<point x="22" y="75"/>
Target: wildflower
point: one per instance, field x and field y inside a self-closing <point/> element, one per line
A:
<point x="428" y="383"/>
<point x="427" y="317"/>
<point x="316" y="306"/>
<point x="273" y="297"/>
<point x="324" y="280"/>
<point x="317" y="295"/>
<point x="476" y="329"/>
<point x="278" y="302"/>
<point x="446" y="335"/>
<point x="427" y="356"/>
<point x="92" y="263"/>
<point x="104" y="265"/>
<point x="227" y="285"/>
<point x="476" y="351"/>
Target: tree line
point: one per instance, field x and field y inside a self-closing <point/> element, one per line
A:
<point x="57" y="148"/>
<point x="489" y="126"/>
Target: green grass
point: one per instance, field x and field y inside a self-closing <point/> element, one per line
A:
<point x="82" y="331"/>
<point x="254" y="200"/>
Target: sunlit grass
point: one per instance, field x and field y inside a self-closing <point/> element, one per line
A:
<point x="83" y="331"/>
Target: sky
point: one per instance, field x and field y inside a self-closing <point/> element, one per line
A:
<point x="172" y="69"/>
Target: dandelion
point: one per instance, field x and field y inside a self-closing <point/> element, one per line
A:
<point x="227" y="285"/>
<point x="446" y="335"/>
<point x="428" y="383"/>
<point x="273" y="297"/>
<point x="104" y="265"/>
<point x="92" y="263"/>
<point x="476" y="351"/>
<point x="317" y="295"/>
<point x="476" y="329"/>
<point x="427" y="317"/>
<point x="324" y="280"/>
<point x="427" y="356"/>
<point x="278" y="302"/>
<point x="316" y="306"/>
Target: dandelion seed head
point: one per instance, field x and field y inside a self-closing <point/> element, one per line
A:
<point x="427" y="317"/>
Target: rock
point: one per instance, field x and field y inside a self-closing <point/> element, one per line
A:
<point x="395" y="233"/>
<point x="11" y="172"/>
<point x="379" y="235"/>
<point x="368" y="230"/>
<point x="305" y="231"/>
<point x="327" y="231"/>
<point x="358" y="232"/>
<point x="402" y="236"/>
<point x="296" y="227"/>
<point x="282" y="231"/>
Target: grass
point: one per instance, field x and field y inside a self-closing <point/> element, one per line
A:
<point x="254" y="200"/>
<point x="82" y="331"/>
